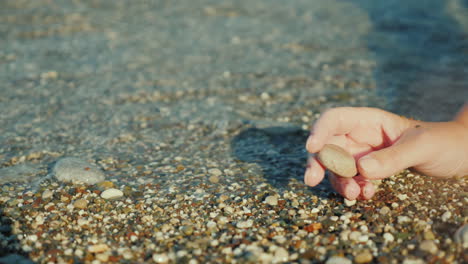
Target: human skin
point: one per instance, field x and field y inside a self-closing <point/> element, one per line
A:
<point x="384" y="144"/>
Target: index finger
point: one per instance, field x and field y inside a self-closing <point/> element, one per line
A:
<point x="335" y="121"/>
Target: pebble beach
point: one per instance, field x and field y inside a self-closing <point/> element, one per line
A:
<point x="174" y="131"/>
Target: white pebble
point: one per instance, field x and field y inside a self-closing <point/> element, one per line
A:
<point x="338" y="260"/>
<point x="271" y="200"/>
<point x="244" y="224"/>
<point x="446" y="216"/>
<point x="403" y="219"/>
<point x="215" y="172"/>
<point x="402" y="196"/>
<point x="47" y="194"/>
<point x="354" y="235"/>
<point x="428" y="246"/>
<point x="160" y="258"/>
<point x="111" y="194"/>
<point x="349" y="202"/>
<point x="281" y="255"/>
<point x="388" y="237"/>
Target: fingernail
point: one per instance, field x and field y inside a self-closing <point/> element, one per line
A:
<point x="369" y="164"/>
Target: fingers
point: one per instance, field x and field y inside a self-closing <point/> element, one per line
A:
<point x="337" y="121"/>
<point x="347" y="187"/>
<point x="314" y="172"/>
<point x="410" y="150"/>
<point x="368" y="189"/>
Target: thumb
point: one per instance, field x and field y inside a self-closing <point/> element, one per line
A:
<point x="391" y="160"/>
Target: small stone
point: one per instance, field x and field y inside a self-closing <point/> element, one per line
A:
<point x="213" y="179"/>
<point x="47" y="194"/>
<point x="280" y="255"/>
<point x="384" y="210"/>
<point x="71" y="169"/>
<point x="413" y="261"/>
<point x="187" y="230"/>
<point x="446" y="216"/>
<point x="104" y="257"/>
<point x="428" y="235"/>
<point x="80" y="203"/>
<point x="215" y="172"/>
<point x="403" y="219"/>
<point x="160" y="258"/>
<point x="461" y="236"/>
<point x="338" y="260"/>
<point x="111" y="194"/>
<point x="349" y="203"/>
<point x="98" y="248"/>
<point x="271" y="200"/>
<point x="363" y="257"/>
<point x="388" y="237"/>
<point x="428" y="246"/>
<point x="337" y="160"/>
<point x="244" y="224"/>
<point x="106" y="185"/>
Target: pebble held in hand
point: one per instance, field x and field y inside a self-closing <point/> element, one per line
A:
<point x="337" y="160"/>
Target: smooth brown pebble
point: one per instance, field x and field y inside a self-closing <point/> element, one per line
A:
<point x="337" y="160"/>
<point x="363" y="257"/>
<point x="80" y="204"/>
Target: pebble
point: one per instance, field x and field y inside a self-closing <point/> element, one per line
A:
<point x="384" y="210"/>
<point x="213" y="179"/>
<point x="428" y="246"/>
<point x="281" y="255"/>
<point x="271" y="200"/>
<point x="98" y="248"/>
<point x="215" y="172"/>
<point x="160" y="258"/>
<point x="446" y="216"/>
<point x="338" y="260"/>
<point x="413" y="261"/>
<point x="80" y="203"/>
<point x="388" y="237"/>
<point x="244" y="224"/>
<point x="403" y="219"/>
<point x="111" y="194"/>
<point x="363" y="257"/>
<point x="47" y="194"/>
<point x="349" y="202"/>
<point x="461" y="236"/>
<point x="337" y="160"/>
<point x="70" y="169"/>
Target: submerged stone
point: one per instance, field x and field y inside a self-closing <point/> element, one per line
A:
<point x="76" y="170"/>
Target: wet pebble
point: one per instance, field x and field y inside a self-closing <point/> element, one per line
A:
<point x="47" y="194"/>
<point x="338" y="260"/>
<point x="244" y="224"/>
<point x="80" y="203"/>
<point x="72" y="169"/>
<point x="160" y="258"/>
<point x="111" y="194"/>
<point x="214" y="179"/>
<point x="98" y="248"/>
<point x="337" y="160"/>
<point x="363" y="257"/>
<point x="215" y="172"/>
<point x="271" y="200"/>
<point x="349" y="202"/>
<point x="428" y="246"/>
<point x="281" y="255"/>
<point x="384" y="210"/>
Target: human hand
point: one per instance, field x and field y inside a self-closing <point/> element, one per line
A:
<point x="383" y="144"/>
